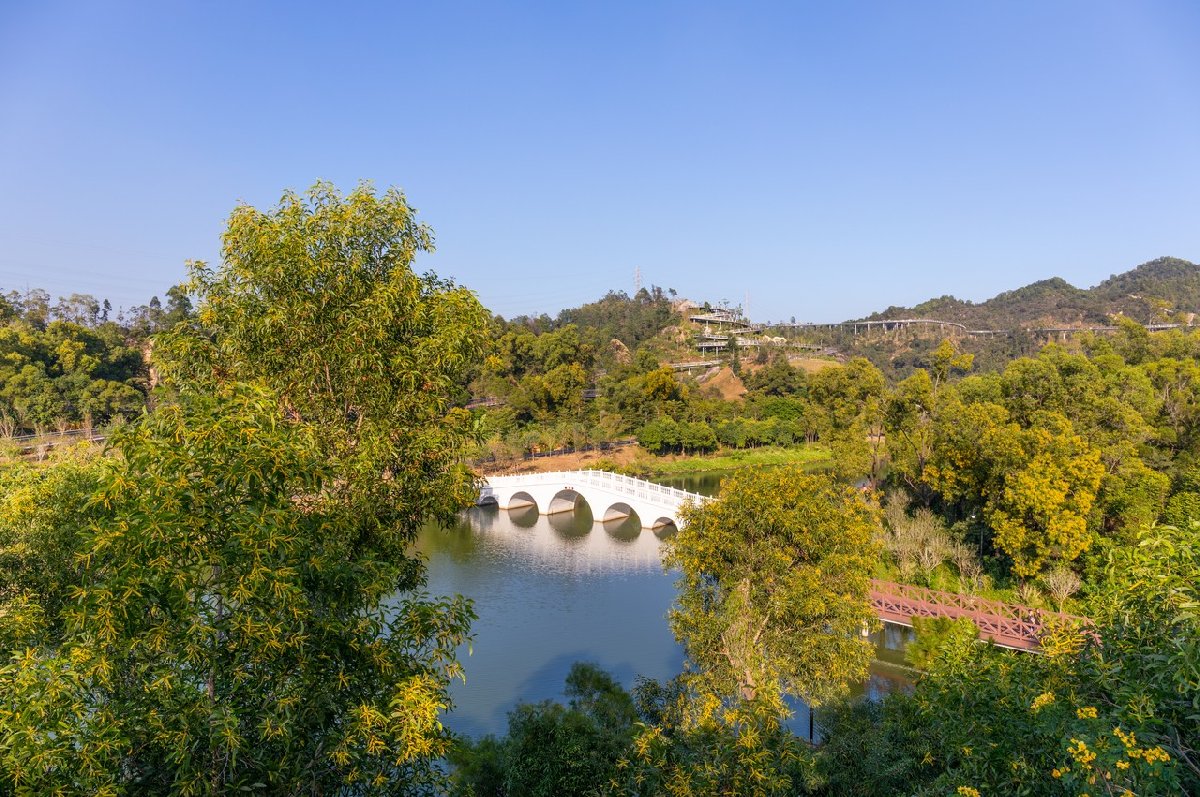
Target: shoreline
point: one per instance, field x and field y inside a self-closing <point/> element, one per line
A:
<point x="635" y="460"/>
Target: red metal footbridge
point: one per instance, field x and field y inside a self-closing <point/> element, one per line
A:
<point x="1006" y="624"/>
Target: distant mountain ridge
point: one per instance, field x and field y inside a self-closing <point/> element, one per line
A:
<point x="1166" y="289"/>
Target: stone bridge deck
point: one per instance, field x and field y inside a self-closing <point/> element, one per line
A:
<point x="610" y="495"/>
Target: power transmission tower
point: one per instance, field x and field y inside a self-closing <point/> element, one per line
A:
<point x="637" y="279"/>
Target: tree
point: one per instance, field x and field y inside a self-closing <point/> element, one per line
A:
<point x="237" y="601"/>
<point x="947" y="358"/>
<point x="43" y="514"/>
<point x="687" y="747"/>
<point x="80" y="308"/>
<point x="778" y="378"/>
<point x="1100" y="712"/>
<point x="551" y="749"/>
<point x="222" y="636"/>
<point x="772" y="603"/>
<point x="65" y="373"/>
<point x="735" y="355"/>
<point x="697" y="437"/>
<point x="851" y="398"/>
<point x="1046" y="480"/>
<point x="317" y="300"/>
<point x="773" y="587"/>
<point x="909" y="425"/>
<point x="660" y="436"/>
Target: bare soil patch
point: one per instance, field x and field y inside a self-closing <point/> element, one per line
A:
<point x="580" y="460"/>
<point x="726" y="384"/>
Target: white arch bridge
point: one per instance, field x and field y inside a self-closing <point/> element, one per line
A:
<point x="610" y="495"/>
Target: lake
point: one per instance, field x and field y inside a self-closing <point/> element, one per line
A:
<point x="553" y="590"/>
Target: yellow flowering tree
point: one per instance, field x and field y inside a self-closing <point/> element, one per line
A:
<point x="1103" y="710"/>
<point x="245" y="611"/>
<point x="772" y="604"/>
<point x="215" y="642"/>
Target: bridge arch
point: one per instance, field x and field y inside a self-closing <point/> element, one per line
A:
<point x="618" y="510"/>
<point x="524" y="517"/>
<point x="519" y="499"/>
<point x="565" y="500"/>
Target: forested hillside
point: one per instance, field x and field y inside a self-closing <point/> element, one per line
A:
<point x="1163" y="290"/>
<point x="75" y="362"/>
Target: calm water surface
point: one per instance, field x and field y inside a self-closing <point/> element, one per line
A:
<point x="553" y="590"/>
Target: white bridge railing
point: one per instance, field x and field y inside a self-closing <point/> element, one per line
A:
<point x="612" y="482"/>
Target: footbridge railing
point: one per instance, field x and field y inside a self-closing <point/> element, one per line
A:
<point x="611" y="495"/>
<point x="613" y="482"/>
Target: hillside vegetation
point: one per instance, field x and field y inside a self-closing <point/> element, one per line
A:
<point x="1163" y="290"/>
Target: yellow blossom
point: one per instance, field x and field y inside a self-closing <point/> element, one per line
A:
<point x="1086" y="713"/>
<point x="1080" y="752"/>
<point x="968" y="791"/>
<point x="1152" y="754"/>
<point x="1044" y="699"/>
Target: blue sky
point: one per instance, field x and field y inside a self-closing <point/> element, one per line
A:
<point x="827" y="159"/>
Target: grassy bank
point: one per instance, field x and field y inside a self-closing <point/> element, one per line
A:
<point x="650" y="466"/>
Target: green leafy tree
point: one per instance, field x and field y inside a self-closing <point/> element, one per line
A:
<point x="852" y="400"/>
<point x="772" y="603"/>
<point x="660" y="436"/>
<point x="316" y="304"/>
<point x="773" y="587"/>
<point x="551" y="749"/>
<point x="220" y="638"/>
<point x="1046" y="480"/>
<point x="909" y="426"/>
<point x="317" y="300"/>
<point x="63" y="373"/>
<point x="693" y="745"/>
<point x="44" y="512"/>
<point x="1099" y="712"/>
<point x="697" y="437"/>
<point x="947" y="358"/>
<point x="778" y="378"/>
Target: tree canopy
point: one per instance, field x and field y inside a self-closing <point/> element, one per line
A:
<point x="773" y="586"/>
<point x="236" y="605"/>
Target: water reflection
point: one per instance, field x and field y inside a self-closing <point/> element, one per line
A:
<point x="549" y="591"/>
<point x="525" y="517"/>
<point x="624" y="530"/>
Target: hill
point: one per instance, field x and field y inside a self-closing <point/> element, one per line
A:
<point x="1166" y="289"/>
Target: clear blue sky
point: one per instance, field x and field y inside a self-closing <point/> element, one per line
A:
<point x="828" y="158"/>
